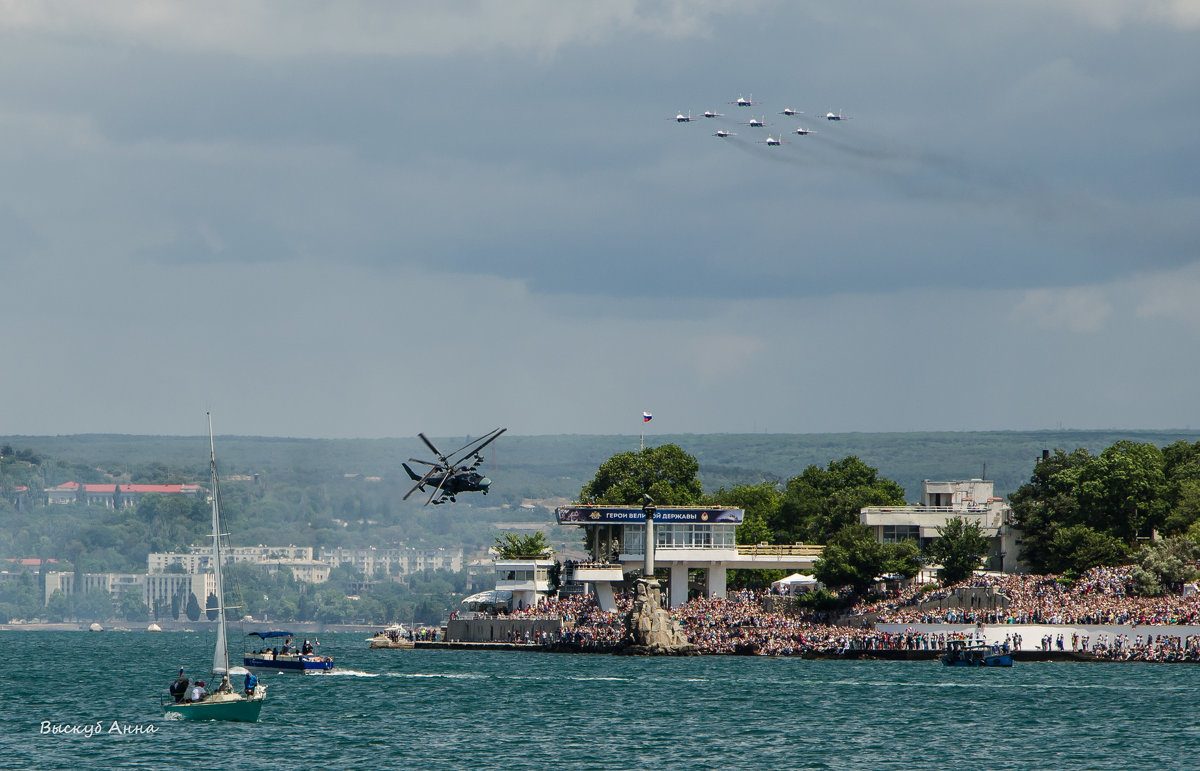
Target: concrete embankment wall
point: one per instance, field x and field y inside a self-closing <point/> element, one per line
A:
<point x="498" y="629"/>
<point x="1032" y="634"/>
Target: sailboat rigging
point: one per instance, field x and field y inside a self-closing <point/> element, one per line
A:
<point x="224" y="703"/>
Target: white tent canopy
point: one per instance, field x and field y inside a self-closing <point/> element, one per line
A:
<point x="489" y="599"/>
<point x="796" y="583"/>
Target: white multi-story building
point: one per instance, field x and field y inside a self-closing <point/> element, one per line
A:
<point x="394" y="561"/>
<point x="154" y="589"/>
<point x="971" y="500"/>
<point x="298" y="559"/>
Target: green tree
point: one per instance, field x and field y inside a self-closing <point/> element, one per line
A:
<point x="853" y="558"/>
<point x="959" y="547"/>
<point x="1046" y="503"/>
<point x="514" y="545"/>
<point x="760" y="502"/>
<point x="821" y="502"/>
<point x="903" y="558"/>
<point x="1167" y="563"/>
<point x="1122" y="491"/>
<point x="60" y="606"/>
<point x="96" y="605"/>
<point x="193" y="608"/>
<point x="1181" y="468"/>
<point x="666" y="473"/>
<point x="1078" y="548"/>
<point x="131" y="607"/>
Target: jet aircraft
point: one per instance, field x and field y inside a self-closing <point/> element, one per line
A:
<point x="743" y="102"/>
<point x="723" y="133"/>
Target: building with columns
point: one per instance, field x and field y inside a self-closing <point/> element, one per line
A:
<point x="686" y="538"/>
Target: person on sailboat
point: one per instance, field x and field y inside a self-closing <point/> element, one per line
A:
<point x="179" y="687"/>
<point x="225" y="686"/>
<point x="198" y="692"/>
<point x="251" y="683"/>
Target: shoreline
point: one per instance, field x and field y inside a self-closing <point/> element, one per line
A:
<point x="857" y="654"/>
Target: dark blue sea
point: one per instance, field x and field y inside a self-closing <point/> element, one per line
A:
<point x="433" y="709"/>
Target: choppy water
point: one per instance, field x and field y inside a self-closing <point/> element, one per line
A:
<point x="493" y="709"/>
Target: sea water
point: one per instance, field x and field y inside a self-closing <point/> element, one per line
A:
<point x="75" y="700"/>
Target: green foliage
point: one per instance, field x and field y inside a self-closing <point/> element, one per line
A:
<point x="1122" y="491"/>
<point x="96" y="605"/>
<point x="514" y="545"/>
<point x="752" y="579"/>
<point x="1167" y="563"/>
<point x="666" y="473"/>
<point x="821" y="502"/>
<point x="761" y="504"/>
<point x="853" y="558"/>
<point x="1076" y="506"/>
<point x="131" y="607"/>
<point x="821" y="600"/>
<point x="1078" y="548"/>
<point x="1181" y="468"/>
<point x="902" y="558"/>
<point x="193" y="608"/>
<point x="959" y="547"/>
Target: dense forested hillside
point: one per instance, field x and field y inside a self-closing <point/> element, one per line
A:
<point x="550" y="466"/>
<point x="348" y="492"/>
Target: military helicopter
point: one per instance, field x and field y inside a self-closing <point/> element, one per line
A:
<point x="450" y="475"/>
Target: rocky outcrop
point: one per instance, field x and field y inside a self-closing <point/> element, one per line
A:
<point x="649" y="629"/>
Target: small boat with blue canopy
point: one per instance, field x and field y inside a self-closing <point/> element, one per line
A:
<point x="285" y="658"/>
<point x="960" y="654"/>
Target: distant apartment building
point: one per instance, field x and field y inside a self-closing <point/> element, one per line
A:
<point x="157" y="591"/>
<point x="394" y="561"/>
<point x="298" y="559"/>
<point x="971" y="499"/>
<point x="114" y="496"/>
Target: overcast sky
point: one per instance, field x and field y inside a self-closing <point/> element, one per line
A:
<point x="363" y="219"/>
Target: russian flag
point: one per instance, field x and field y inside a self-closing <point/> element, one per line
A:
<point x="646" y="416"/>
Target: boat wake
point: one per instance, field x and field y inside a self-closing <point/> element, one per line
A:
<point x="445" y="675"/>
<point x="344" y="673"/>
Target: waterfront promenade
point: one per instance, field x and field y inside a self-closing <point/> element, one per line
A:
<point x="1096" y="617"/>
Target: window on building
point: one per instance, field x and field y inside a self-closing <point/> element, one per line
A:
<point x="897" y="533"/>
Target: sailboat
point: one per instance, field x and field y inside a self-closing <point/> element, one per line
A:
<point x="230" y="704"/>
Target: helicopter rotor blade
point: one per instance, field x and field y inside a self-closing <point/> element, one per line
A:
<point x="429" y="444"/>
<point x="420" y="485"/>
<point x="487" y="439"/>
<point x="479" y="443"/>
<point x="437" y="489"/>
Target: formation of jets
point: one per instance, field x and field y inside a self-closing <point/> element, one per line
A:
<point x="761" y="122"/>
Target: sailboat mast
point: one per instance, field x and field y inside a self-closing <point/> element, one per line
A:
<point x="221" y="652"/>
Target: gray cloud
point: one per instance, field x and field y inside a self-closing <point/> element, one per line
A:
<point x="362" y="215"/>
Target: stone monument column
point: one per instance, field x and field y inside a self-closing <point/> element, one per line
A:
<point x="649" y="629"/>
<point x="648" y="509"/>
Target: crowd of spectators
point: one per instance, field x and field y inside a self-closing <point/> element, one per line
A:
<point x="1103" y="595"/>
<point x="739" y="624"/>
